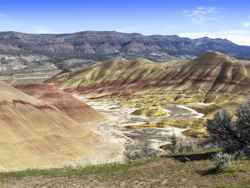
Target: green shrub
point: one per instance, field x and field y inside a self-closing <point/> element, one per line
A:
<point x="183" y="146"/>
<point x="222" y="161"/>
<point x="232" y="133"/>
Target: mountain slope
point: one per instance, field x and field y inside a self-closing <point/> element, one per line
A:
<point x="113" y="74"/>
<point x="38" y="135"/>
<point x="212" y="72"/>
<point x="49" y="94"/>
<point x="105" y="45"/>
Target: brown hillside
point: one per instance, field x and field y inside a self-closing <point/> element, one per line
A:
<point x="37" y="135"/>
<point x="72" y="107"/>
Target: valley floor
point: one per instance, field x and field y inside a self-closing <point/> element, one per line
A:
<point x="123" y="128"/>
<point x="153" y="173"/>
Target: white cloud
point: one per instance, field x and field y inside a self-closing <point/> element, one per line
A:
<point x="237" y="36"/>
<point x="202" y="14"/>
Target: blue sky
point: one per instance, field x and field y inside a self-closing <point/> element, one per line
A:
<point x="191" y="18"/>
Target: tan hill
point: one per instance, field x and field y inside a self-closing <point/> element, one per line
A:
<point x="77" y="110"/>
<point x="38" y="135"/>
<point x="211" y="73"/>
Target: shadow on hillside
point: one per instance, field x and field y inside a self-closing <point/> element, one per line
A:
<point x="193" y="157"/>
<point x="210" y="171"/>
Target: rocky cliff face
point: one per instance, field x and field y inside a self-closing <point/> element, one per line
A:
<point x="105" y="45"/>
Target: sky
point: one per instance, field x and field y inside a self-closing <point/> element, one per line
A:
<point x="228" y="19"/>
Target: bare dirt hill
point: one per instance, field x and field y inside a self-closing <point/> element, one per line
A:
<point x="35" y="134"/>
<point x="210" y="73"/>
<point x="77" y="110"/>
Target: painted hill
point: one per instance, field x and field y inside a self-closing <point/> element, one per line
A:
<point x="210" y="73"/>
<point x="35" y="134"/>
<point x="49" y="94"/>
<point x="115" y="74"/>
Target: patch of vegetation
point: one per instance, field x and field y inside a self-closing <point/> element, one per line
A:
<point x="196" y="132"/>
<point x="101" y="171"/>
<point x="182" y="123"/>
<point x="189" y="98"/>
<point x="232" y="133"/>
<point x="157" y="172"/>
<point x="180" y="146"/>
<point x="206" y="109"/>
<point x="144" y="126"/>
<point x="222" y="161"/>
<point x="150" y="112"/>
<point x="195" y="127"/>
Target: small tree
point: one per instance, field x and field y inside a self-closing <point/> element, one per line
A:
<point x="233" y="136"/>
<point x="243" y="122"/>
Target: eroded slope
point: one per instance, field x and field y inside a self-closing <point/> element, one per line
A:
<point x="77" y="110"/>
<point x="211" y="73"/>
<point x="38" y="135"/>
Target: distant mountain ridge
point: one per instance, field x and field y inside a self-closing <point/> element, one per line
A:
<point x="101" y="45"/>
